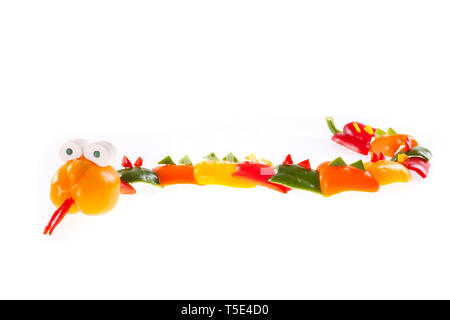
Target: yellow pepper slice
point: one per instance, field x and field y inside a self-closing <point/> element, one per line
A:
<point x="386" y="171"/>
<point x="220" y="173"/>
<point x="402" y="157"/>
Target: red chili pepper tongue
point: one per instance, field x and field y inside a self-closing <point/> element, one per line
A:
<point x="58" y="215"/>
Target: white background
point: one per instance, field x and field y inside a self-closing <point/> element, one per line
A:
<point x="177" y="77"/>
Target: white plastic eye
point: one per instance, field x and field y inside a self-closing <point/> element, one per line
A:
<point x="102" y="153"/>
<point x="72" y="149"/>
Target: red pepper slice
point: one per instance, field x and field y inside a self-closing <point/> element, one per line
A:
<point x="419" y="165"/>
<point x="377" y="157"/>
<point x="374" y="157"/>
<point x="138" y="162"/>
<point x="126" y="188"/>
<point x="126" y="163"/>
<point x="58" y="215"/>
<point x="288" y="160"/>
<point x="259" y="174"/>
<point x="408" y="144"/>
<point x="305" y="164"/>
<point x="355" y="136"/>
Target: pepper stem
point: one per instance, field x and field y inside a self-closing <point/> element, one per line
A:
<point x="332" y="126"/>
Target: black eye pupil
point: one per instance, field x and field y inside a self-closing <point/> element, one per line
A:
<point x="97" y="154"/>
<point x="69" y="151"/>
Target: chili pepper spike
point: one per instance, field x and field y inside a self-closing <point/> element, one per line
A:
<point x="186" y="161"/>
<point x="288" y="160"/>
<point x="381" y="156"/>
<point x="338" y="162"/>
<point x="167" y="160"/>
<point x="138" y="162"/>
<point x="305" y="164"/>
<point x="375" y="157"/>
<point x="58" y="215"/>
<point x="126" y="163"/>
<point x="212" y="156"/>
<point x="391" y="132"/>
<point x="379" y="133"/>
<point x="230" y="157"/>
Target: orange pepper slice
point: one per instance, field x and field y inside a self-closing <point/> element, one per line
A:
<point x="389" y="145"/>
<point x="386" y="171"/>
<point x="335" y="179"/>
<point x="175" y="174"/>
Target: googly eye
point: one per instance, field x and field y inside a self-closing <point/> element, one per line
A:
<point x="72" y="149"/>
<point x="102" y="153"/>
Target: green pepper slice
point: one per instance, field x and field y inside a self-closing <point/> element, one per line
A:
<point x="297" y="177"/>
<point x="418" y="151"/>
<point x="132" y="175"/>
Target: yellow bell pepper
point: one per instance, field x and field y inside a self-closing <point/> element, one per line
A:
<point x="386" y="171"/>
<point x="220" y="173"/>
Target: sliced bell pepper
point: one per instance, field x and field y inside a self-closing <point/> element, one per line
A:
<point x="390" y="144"/>
<point x="171" y="173"/>
<point x="355" y="135"/>
<point x="298" y="177"/>
<point x="419" y="165"/>
<point x="387" y="171"/>
<point x="418" y="151"/>
<point x="126" y="188"/>
<point x="137" y="174"/>
<point x="220" y="173"/>
<point x="259" y="174"/>
<point x="336" y="176"/>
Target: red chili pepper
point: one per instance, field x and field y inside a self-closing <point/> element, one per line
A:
<point x="408" y="144"/>
<point x="288" y="160"/>
<point x="305" y="164"/>
<point x="138" y="162"/>
<point x="58" y="215"/>
<point x="419" y="165"/>
<point x="355" y="136"/>
<point x="126" y="163"/>
<point x="126" y="188"/>
<point x="376" y="157"/>
<point x="259" y="174"/>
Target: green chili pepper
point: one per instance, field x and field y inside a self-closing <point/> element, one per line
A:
<point x="211" y="156"/>
<point x="186" y="161"/>
<point x="418" y="151"/>
<point x="391" y="132"/>
<point x="230" y="158"/>
<point x="166" y="160"/>
<point x="358" y="165"/>
<point x="131" y="175"/>
<point x="297" y="177"/>
<point x="338" y="162"/>
<point x="379" y="133"/>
